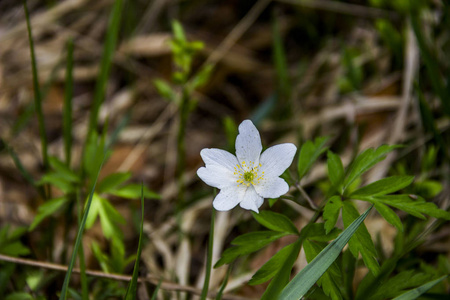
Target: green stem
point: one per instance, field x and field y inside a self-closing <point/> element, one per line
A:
<point x="181" y="146"/>
<point x="68" y="94"/>
<point x="37" y="91"/>
<point x="209" y="256"/>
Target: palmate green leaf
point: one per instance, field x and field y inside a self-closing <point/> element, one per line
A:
<point x="307" y="277"/>
<point x="416" y="207"/>
<point x="335" y="170"/>
<point x="275" y="221"/>
<point x="132" y="191"/>
<point x="47" y="209"/>
<point x="309" y="153"/>
<point x="417" y="292"/>
<point x="273" y="265"/>
<point x="328" y="279"/>
<point x="331" y="212"/>
<point x="389" y="215"/>
<point x="109" y="219"/>
<point x="248" y="243"/>
<point x="282" y="277"/>
<point x="112" y="181"/>
<point x="56" y="180"/>
<point x="384" y="186"/>
<point x="361" y="242"/>
<point x="63" y="170"/>
<point x="364" y="161"/>
<point x="132" y="287"/>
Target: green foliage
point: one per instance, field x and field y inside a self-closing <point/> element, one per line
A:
<point x="47" y="209"/>
<point x="361" y="242"/>
<point x="10" y="243"/>
<point x="248" y="243"/>
<point x="417" y="292"/>
<point x="335" y="170"/>
<point x="132" y="287"/>
<point x="132" y="191"/>
<point x="331" y="212"/>
<point x="109" y="217"/>
<point x="307" y="277"/>
<point x="275" y="221"/>
<point x="309" y="153"/>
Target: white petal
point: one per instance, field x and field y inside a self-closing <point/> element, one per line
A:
<point x="248" y="143"/>
<point x="252" y="201"/>
<point x="216" y="177"/>
<point x="275" y="160"/>
<point x="272" y="187"/>
<point x="229" y="197"/>
<point x="219" y="158"/>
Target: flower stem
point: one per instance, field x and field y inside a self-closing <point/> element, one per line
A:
<point x="305" y="195"/>
<point x="181" y="146"/>
<point x="209" y="256"/>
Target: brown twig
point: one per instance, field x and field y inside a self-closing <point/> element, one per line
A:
<point x="305" y="195"/>
<point x="165" y="285"/>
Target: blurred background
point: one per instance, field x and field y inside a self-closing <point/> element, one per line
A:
<point x="365" y="73"/>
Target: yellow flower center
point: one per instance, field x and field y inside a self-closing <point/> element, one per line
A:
<point x="247" y="174"/>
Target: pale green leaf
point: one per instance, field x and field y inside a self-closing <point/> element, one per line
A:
<point x="112" y="181"/>
<point x="47" y="209"/>
<point x="132" y="191"/>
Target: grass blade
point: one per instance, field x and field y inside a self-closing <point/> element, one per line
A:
<point x="224" y="284"/>
<point x="132" y="287"/>
<point x="37" y="91"/>
<point x="155" y="292"/>
<point x="307" y="277"/>
<point x="105" y="65"/>
<point x="209" y="257"/>
<point x="417" y="292"/>
<point x="79" y="238"/>
<point x="68" y="94"/>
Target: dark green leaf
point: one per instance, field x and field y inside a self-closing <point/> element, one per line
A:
<point x="316" y="232"/>
<point x="273" y="265"/>
<point x="248" y="243"/>
<point x="19" y="296"/>
<point x="309" y="153"/>
<point x="417" y="292"/>
<point x="284" y="274"/>
<point x="47" y="209"/>
<point x="307" y="277"/>
<point x="361" y="242"/>
<point x="364" y="161"/>
<point x="275" y="221"/>
<point x="331" y="212"/>
<point x="389" y="215"/>
<point x="112" y="181"/>
<point x="384" y="186"/>
<point x="335" y="170"/>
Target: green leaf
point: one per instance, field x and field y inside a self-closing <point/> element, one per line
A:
<point x="109" y="217"/>
<point x="284" y="274"/>
<point x="328" y="279"/>
<point x="132" y="287"/>
<point x="389" y="215"/>
<point x="94" y="210"/>
<point x="417" y="292"/>
<point x="361" y="242"/>
<point x="309" y="153"/>
<point x="132" y="191"/>
<point x="112" y="181"/>
<point x="56" y="180"/>
<point x="364" y="161"/>
<point x="331" y="212"/>
<point x="164" y="89"/>
<point x="275" y="221"/>
<point x="248" y="243"/>
<point x="273" y="265"/>
<point x="335" y="170"/>
<point x="307" y="277"/>
<point x="63" y="170"/>
<point x="416" y="207"/>
<point x="384" y="186"/>
<point x="19" y="296"/>
<point x="47" y="209"/>
<point x="316" y="232"/>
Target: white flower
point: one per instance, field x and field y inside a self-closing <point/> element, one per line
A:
<point x="249" y="177"/>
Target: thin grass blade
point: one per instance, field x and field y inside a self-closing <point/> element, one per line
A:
<point x="209" y="257"/>
<point x="67" y="113"/>
<point x="65" y="286"/>
<point x="37" y="91"/>
<point x="132" y="287"/>
<point x="155" y="292"/>
<point x="105" y="65"/>
<point x="417" y="292"/>
<point x="307" y="277"/>
<point x="224" y="284"/>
